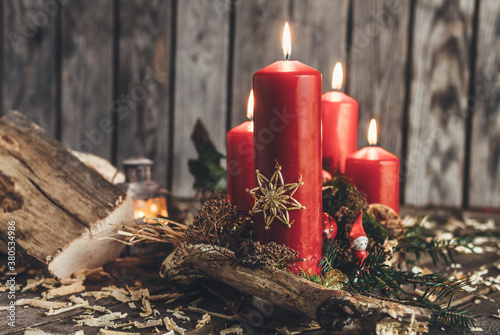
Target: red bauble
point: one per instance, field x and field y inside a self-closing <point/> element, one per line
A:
<point x="329" y="226"/>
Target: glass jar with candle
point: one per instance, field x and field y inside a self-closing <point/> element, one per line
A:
<point x="149" y="198"/>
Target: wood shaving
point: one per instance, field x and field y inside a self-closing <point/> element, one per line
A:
<point x="96" y="274"/>
<point x="171" y="325"/>
<point x="132" y="305"/>
<point x="123" y="295"/>
<point x="65" y="309"/>
<point x="75" y="278"/>
<point x="114" y="332"/>
<point x="37" y="332"/>
<point x="203" y="321"/>
<point x="32" y="284"/>
<point x="146" y="305"/>
<point x="78" y="300"/>
<point x="168" y="296"/>
<point x="67" y="289"/>
<point x="41" y="303"/>
<point x="105" y="320"/>
<point x="179" y="316"/>
<point x="97" y="294"/>
<point x="232" y="330"/>
<point x="147" y="324"/>
<point x="215" y="315"/>
<point x="136" y="292"/>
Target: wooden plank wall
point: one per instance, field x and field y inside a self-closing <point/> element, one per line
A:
<point x="121" y="78"/>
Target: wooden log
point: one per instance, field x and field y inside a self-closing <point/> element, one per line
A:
<point x="341" y="311"/>
<point x="60" y="206"/>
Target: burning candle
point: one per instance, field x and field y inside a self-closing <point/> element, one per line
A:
<point x="240" y="172"/>
<point x="287" y="141"/>
<point x="340" y="124"/>
<point x="375" y="172"/>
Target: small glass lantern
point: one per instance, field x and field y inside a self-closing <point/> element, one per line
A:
<point x="150" y="200"/>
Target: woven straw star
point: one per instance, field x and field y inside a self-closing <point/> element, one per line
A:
<point x="275" y="198"/>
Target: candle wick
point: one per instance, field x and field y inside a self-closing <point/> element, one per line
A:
<point x="286" y="56"/>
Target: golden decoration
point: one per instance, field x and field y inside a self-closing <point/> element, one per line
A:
<point x="275" y="198"/>
<point x="335" y="279"/>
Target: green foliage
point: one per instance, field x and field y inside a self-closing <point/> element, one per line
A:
<point x="209" y="175"/>
<point x="311" y="277"/>
<point x="344" y="195"/>
<point x="420" y="242"/>
<point x="374" y="278"/>
<point x="374" y="229"/>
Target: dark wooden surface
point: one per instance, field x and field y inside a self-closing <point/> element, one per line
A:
<point x="142" y="102"/>
<point x="442" y="43"/>
<point x="87" y="84"/>
<point x="78" y="68"/>
<point x="379" y="53"/>
<point x="127" y="271"/>
<point x="485" y="108"/>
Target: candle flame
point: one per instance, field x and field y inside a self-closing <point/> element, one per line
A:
<point x="153" y="208"/>
<point x="250" y="105"/>
<point x="337" y="76"/>
<point x="372" y="132"/>
<point x="287" y="44"/>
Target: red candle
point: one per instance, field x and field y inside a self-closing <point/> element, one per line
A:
<point x="340" y="124"/>
<point x="240" y="172"/>
<point x="375" y="172"/>
<point x="287" y="141"/>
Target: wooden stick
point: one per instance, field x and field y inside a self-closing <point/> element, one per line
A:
<point x="334" y="310"/>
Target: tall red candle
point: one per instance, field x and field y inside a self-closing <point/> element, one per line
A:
<point x="240" y="164"/>
<point x="340" y="124"/>
<point x="375" y="172"/>
<point x="288" y="136"/>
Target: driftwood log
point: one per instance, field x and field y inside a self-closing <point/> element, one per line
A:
<point x="335" y="310"/>
<point x="57" y="207"/>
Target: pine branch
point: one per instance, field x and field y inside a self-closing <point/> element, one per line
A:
<point x="419" y="242"/>
<point x="374" y="278"/>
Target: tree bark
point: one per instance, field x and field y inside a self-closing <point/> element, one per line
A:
<point x="334" y="310"/>
<point x="57" y="207"/>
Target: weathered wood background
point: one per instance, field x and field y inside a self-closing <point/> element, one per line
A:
<point x="120" y="78"/>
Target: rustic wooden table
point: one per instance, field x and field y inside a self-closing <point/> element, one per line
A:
<point x="144" y="269"/>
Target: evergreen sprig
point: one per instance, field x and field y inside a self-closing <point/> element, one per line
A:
<point x="419" y="242"/>
<point x="373" y="277"/>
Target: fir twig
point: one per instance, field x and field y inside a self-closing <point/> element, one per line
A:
<point x="373" y="277"/>
<point x="419" y="242"/>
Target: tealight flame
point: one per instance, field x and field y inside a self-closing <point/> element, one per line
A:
<point x="287" y="43"/>
<point x="372" y="133"/>
<point x="250" y="105"/>
<point x="153" y="208"/>
<point x="337" y="76"/>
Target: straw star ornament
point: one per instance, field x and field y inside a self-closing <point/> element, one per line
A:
<point x="274" y="198"/>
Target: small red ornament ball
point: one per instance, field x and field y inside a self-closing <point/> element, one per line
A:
<point x="329" y="226"/>
<point x="326" y="176"/>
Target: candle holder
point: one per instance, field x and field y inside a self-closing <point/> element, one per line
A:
<point x="149" y="198"/>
